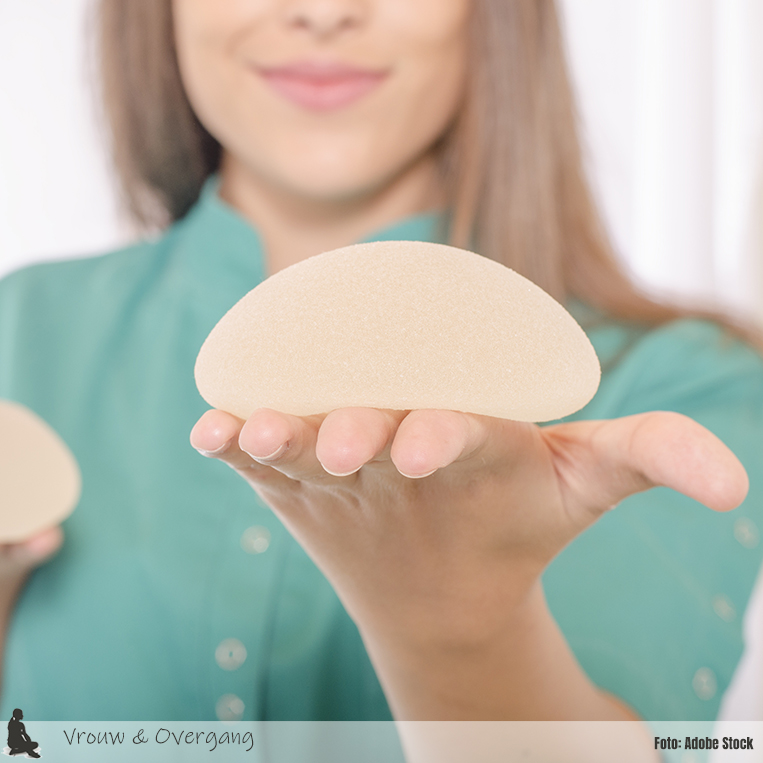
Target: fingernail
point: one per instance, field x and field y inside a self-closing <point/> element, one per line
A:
<point x="213" y="453"/>
<point x="272" y="457"/>
<point x="341" y="474"/>
<point x="418" y="476"/>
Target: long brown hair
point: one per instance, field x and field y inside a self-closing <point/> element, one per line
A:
<point x="512" y="160"/>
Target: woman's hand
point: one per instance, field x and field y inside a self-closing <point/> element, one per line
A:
<point x="17" y="560"/>
<point x="435" y="526"/>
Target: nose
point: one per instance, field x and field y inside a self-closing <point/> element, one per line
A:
<point x="325" y="18"/>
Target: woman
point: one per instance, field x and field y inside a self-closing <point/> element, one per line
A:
<point x="19" y="742"/>
<point x="422" y="564"/>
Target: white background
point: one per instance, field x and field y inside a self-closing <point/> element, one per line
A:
<point x="671" y="98"/>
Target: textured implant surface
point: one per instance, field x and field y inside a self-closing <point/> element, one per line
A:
<point x="39" y="477"/>
<point x="399" y="325"/>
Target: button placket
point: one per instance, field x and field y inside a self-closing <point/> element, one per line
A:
<point x="239" y="613"/>
<point x="230" y="707"/>
<point x="705" y="684"/>
<point x="724" y="608"/>
<point x="746" y="532"/>
<point x="230" y="654"/>
<point x="255" y="539"/>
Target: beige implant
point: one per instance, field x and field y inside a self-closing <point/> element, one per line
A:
<point x="39" y="477"/>
<point x="400" y="325"/>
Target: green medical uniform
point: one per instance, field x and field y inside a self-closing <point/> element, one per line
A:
<point x="178" y="595"/>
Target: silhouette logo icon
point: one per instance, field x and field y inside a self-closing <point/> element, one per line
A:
<point x="19" y="742"/>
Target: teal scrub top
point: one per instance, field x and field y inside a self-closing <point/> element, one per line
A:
<point x="178" y="595"/>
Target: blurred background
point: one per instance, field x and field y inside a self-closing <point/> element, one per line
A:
<point x="671" y="106"/>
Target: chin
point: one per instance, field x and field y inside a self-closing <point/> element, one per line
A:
<point x="335" y="188"/>
<point x="315" y="166"/>
<point x="342" y="178"/>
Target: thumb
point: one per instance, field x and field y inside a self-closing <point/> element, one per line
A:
<point x="21" y="557"/>
<point x="43" y="545"/>
<point x="660" y="448"/>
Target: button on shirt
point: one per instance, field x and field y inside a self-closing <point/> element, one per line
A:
<point x="178" y="595"/>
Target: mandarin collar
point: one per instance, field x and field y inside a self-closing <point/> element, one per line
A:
<point x="218" y="240"/>
<point x="222" y="247"/>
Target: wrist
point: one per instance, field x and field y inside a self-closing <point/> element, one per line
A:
<point x="454" y="616"/>
<point x="523" y="671"/>
<point x="462" y="672"/>
<point x="10" y="585"/>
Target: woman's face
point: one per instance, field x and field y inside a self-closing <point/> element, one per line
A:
<point x="326" y="99"/>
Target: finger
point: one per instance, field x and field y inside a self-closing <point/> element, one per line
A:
<point x="675" y="451"/>
<point x="268" y="443"/>
<point x="216" y="435"/>
<point x="349" y="438"/>
<point x="428" y="440"/>
<point x="628" y="455"/>
<point x="33" y="551"/>
<point x="44" y="545"/>
<point x="215" y="432"/>
<point x="284" y="442"/>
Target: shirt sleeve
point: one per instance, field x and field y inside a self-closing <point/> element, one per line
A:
<point x="651" y="598"/>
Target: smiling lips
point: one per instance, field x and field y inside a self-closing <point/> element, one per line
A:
<point x="322" y="86"/>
